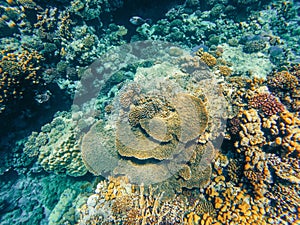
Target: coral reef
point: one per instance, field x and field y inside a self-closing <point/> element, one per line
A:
<point x="207" y="58"/>
<point x="57" y="146"/>
<point x="267" y="103"/>
<point x="183" y="119"/>
<point x="285" y="84"/>
<point x="225" y="70"/>
<point x="19" y="74"/>
<point x="119" y="201"/>
<point x="253" y="44"/>
<point x="166" y="132"/>
<point x="251" y="133"/>
<point x="159" y="120"/>
<point x="285" y="128"/>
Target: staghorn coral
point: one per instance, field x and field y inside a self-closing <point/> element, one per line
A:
<point x="64" y="25"/>
<point x="130" y="205"/>
<point x="46" y="22"/>
<point x="267" y="103"/>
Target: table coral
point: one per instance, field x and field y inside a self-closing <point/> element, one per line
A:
<point x="185" y="118"/>
<point x="157" y="130"/>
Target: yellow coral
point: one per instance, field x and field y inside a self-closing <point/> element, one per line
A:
<point x="18" y="73"/>
<point x="225" y="70"/>
<point x="290" y="130"/>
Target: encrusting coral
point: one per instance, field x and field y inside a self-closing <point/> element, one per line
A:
<point x="286" y="129"/>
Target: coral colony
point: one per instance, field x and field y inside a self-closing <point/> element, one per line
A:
<point x="131" y="112"/>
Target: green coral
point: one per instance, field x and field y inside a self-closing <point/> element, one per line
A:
<point x="57" y="146"/>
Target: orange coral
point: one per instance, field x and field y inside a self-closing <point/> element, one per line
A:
<point x="225" y="70"/>
<point x="283" y="80"/>
<point x="290" y="129"/>
<point x="207" y="58"/>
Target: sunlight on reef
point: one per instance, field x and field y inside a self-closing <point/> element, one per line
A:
<point x="133" y="112"/>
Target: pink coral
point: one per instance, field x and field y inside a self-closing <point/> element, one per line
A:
<point x="267" y="103"/>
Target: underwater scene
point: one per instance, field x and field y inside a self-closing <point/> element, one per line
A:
<point x="140" y="112"/>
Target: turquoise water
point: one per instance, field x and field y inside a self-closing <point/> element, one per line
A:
<point x="150" y="112"/>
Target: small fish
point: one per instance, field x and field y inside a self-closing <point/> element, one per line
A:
<point x="136" y="20"/>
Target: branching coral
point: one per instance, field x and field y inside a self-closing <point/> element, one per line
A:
<point x="130" y="205"/>
<point x="283" y="80"/>
<point x="286" y="85"/>
<point x="286" y="200"/>
<point x="19" y="73"/>
<point x="207" y="58"/>
<point x="267" y="103"/>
